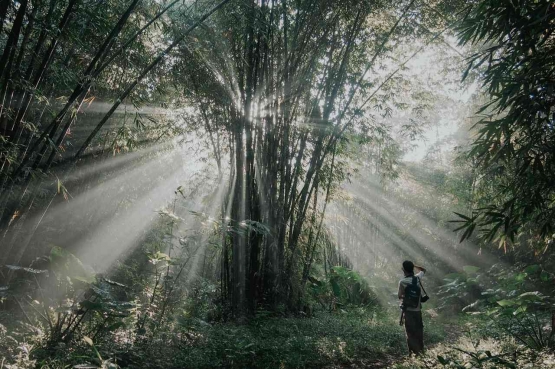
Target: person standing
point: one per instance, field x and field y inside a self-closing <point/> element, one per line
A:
<point x="411" y="304"/>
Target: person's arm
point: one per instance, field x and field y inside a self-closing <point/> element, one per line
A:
<point x="401" y="292"/>
<point x="421" y="271"/>
<point x="420" y="268"/>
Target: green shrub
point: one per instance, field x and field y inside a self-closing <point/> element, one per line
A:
<point x="517" y="300"/>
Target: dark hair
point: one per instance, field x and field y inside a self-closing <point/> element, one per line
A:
<point x="408" y="266"/>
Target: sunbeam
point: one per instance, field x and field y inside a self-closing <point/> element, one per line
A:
<point x="276" y="184"/>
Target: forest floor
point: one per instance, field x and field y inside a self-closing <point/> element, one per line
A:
<point x="350" y="338"/>
<point x="437" y="331"/>
<point x="356" y="338"/>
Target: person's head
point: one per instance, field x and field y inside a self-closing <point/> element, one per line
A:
<point x="408" y="267"/>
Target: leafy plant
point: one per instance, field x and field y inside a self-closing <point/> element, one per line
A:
<point x="515" y="141"/>
<point x="97" y="359"/>
<point x="519" y="302"/>
<point x="476" y="359"/>
<point x="343" y="287"/>
<point x="66" y="298"/>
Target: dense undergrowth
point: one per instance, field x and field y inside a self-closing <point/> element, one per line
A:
<point x="506" y="320"/>
<point x="488" y="354"/>
<point x="358" y="336"/>
<point x="59" y="314"/>
<point x="476" y="348"/>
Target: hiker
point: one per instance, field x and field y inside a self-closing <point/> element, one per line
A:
<point x="410" y="295"/>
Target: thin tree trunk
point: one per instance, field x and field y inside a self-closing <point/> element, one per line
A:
<point x="143" y="74"/>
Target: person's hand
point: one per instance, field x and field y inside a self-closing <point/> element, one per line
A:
<point x="419" y="268"/>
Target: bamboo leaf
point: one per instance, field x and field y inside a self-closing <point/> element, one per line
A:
<point x="88" y="341"/>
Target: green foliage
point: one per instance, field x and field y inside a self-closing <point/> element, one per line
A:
<point x="203" y="301"/>
<point x="59" y="303"/>
<point x="343" y="287"/>
<point x="162" y="307"/>
<point x="16" y="346"/>
<point x="518" y="301"/>
<point x="98" y="361"/>
<point x="349" y="287"/>
<point x="479" y="359"/>
<point x="360" y="335"/>
<point x="515" y="142"/>
<point x="355" y="335"/>
<point x="471" y="353"/>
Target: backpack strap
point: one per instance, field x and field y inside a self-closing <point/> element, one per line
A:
<point x="419" y="281"/>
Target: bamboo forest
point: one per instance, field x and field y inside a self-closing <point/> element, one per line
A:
<point x="277" y="184"/>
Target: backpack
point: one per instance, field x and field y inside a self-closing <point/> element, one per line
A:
<point x="412" y="294"/>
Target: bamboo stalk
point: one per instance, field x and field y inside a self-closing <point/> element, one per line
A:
<point x="142" y="75"/>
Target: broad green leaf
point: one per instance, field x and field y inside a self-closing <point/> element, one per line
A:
<point x="101" y="292"/>
<point x="531" y="296"/>
<point x="68" y="264"/>
<point x="91" y="305"/>
<point x="442" y="360"/>
<point x="469" y="269"/>
<point x="520" y="310"/>
<point x="87" y="280"/>
<point x="58" y="252"/>
<point x="505" y="303"/>
<point x="335" y="287"/>
<point x="531" y="269"/>
<point x="452" y="276"/>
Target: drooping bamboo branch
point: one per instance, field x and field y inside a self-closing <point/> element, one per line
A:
<point x="143" y="74"/>
<point x="95" y="68"/>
